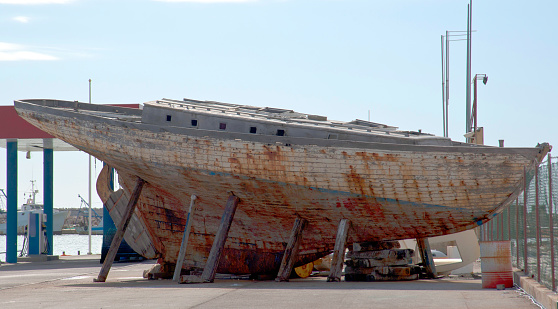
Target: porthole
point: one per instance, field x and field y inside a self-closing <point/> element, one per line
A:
<point x="253" y="130"/>
<point x="169" y="117"/>
<point x="280" y="132"/>
<point x="222" y="126"/>
<point x="194" y="123"/>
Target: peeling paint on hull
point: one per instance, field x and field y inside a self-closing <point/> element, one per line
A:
<point x="387" y="191"/>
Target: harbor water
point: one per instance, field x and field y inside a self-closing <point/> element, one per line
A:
<point x="70" y="244"/>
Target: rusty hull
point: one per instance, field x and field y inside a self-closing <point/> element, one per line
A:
<point x="387" y="191"/>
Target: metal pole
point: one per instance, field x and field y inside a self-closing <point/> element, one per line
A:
<point x="525" y="220"/>
<point x="468" y="87"/>
<point x="447" y="83"/>
<point x="481" y="238"/>
<point x="475" y="104"/>
<point x="509" y="222"/>
<point x="443" y="86"/>
<point x="517" y="231"/>
<point x="488" y="229"/>
<point x="497" y="219"/>
<point x="537" y="223"/>
<point x="497" y="227"/>
<point x="485" y="233"/>
<point x="11" y="201"/>
<point x="503" y="214"/>
<point x="481" y="232"/>
<point x="470" y="52"/>
<point x="501" y="226"/>
<point x="89" y="200"/>
<point x="48" y="203"/>
<point x="551" y="222"/>
<point x="492" y="229"/>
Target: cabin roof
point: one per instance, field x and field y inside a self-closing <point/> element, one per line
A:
<point x="279" y="114"/>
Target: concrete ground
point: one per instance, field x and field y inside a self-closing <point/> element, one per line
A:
<point x="68" y="283"/>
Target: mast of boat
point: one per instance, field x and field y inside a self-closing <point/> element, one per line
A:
<point x="89" y="199"/>
<point x="33" y="192"/>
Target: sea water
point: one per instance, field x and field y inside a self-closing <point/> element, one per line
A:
<point x="70" y="244"/>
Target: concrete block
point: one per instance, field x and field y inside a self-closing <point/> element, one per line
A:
<point x="544" y="296"/>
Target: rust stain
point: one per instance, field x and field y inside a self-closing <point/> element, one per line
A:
<point x="356" y="182"/>
<point x="363" y="155"/>
<point x="234" y="160"/>
<point x="387" y="157"/>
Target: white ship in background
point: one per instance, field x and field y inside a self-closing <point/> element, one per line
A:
<point x="32" y="207"/>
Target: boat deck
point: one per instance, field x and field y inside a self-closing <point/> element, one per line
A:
<point x="268" y="120"/>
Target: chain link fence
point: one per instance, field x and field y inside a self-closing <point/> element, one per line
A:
<point x="530" y="223"/>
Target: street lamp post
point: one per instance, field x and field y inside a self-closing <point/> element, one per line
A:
<point x="472" y="121"/>
<point x="89" y="200"/>
<point x="484" y="81"/>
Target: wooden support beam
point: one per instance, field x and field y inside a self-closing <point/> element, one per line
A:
<point x="185" y="237"/>
<point x="339" y="251"/>
<point x="291" y="252"/>
<point x="122" y="225"/>
<point x="426" y="256"/>
<point x="210" y="268"/>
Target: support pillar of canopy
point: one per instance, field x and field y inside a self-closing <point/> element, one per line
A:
<point x="48" y="189"/>
<point x="11" y="219"/>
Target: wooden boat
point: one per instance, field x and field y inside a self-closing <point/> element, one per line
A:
<point x="282" y="165"/>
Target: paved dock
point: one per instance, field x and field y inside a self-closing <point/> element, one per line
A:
<point x="68" y="283"/>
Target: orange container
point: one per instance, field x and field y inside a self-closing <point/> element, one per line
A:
<point x="496" y="266"/>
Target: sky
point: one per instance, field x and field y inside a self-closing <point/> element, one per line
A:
<point x="337" y="58"/>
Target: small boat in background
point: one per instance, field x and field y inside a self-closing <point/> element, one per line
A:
<point x="29" y="207"/>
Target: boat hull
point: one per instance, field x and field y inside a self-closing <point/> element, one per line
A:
<point x="388" y="191"/>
